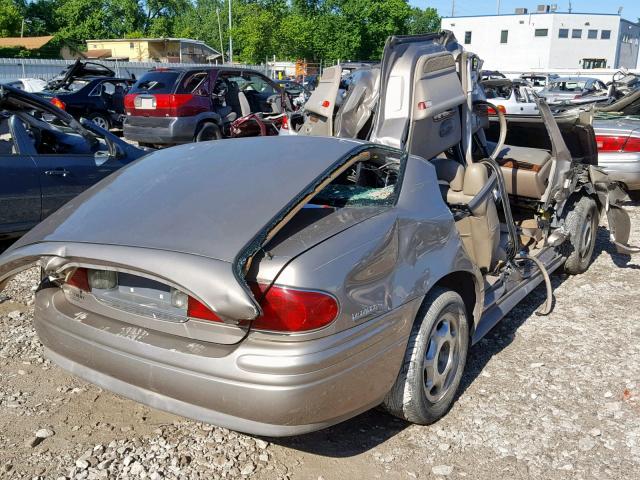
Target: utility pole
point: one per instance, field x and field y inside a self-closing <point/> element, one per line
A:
<point x="220" y="32"/>
<point x="230" y="39"/>
<point x="22" y="29"/>
<point x="498" y="7"/>
<point x="453" y="8"/>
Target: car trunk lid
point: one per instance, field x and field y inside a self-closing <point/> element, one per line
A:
<point x="182" y="225"/>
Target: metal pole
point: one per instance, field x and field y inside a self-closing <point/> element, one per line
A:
<point x="498" y="7"/>
<point x="453" y="8"/>
<point x="220" y="32"/>
<point x="22" y="29"/>
<point x="230" y="39"/>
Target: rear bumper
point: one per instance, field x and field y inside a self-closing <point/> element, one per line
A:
<point x="258" y="386"/>
<point x="161" y="130"/>
<point x="622" y="167"/>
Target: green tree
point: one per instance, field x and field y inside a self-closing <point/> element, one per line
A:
<point x="423" y="21"/>
<point x="85" y="19"/>
<point x="374" y="20"/>
<point x="10" y="19"/>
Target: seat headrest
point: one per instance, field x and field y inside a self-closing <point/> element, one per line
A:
<point x="475" y="177"/>
<point x="450" y="171"/>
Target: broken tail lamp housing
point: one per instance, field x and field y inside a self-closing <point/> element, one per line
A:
<point x="607" y="143"/>
<point x="88" y="279"/>
<point x="284" y="309"/>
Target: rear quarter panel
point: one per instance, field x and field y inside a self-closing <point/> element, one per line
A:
<point x="386" y="261"/>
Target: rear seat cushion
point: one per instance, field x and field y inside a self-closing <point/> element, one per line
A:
<point x="526" y="170"/>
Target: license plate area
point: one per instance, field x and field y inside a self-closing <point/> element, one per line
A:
<point x="145" y="103"/>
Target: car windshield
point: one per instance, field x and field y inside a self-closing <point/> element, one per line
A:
<point x="567" y="86"/>
<point x="156" y="82"/>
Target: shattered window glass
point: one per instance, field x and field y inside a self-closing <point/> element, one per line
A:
<point x="372" y="182"/>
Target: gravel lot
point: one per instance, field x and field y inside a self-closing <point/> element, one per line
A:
<point x="544" y="397"/>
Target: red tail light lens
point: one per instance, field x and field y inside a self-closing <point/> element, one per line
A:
<point x="492" y="111"/>
<point x="56" y="102"/>
<point x="290" y="310"/>
<point x="632" y="145"/>
<point x="80" y="279"/>
<point x="326" y="103"/>
<point x="129" y="101"/>
<point x="617" y="144"/>
<point x="196" y="309"/>
<point x="285" y="123"/>
<point x="284" y="309"/>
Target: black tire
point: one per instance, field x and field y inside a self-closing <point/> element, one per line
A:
<point x="100" y="120"/>
<point x="208" y="131"/>
<point x="415" y="396"/>
<point x="581" y="219"/>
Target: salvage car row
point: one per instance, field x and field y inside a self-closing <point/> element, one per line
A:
<point x="392" y="232"/>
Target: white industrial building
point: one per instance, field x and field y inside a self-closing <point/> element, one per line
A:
<point x="547" y="39"/>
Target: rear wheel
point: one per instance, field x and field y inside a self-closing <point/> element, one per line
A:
<point x="434" y="360"/>
<point x="581" y="222"/>
<point x="100" y="120"/>
<point x="208" y="131"/>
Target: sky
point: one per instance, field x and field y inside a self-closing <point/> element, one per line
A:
<point x="630" y="8"/>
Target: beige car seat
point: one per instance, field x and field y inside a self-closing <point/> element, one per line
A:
<point x="480" y="231"/>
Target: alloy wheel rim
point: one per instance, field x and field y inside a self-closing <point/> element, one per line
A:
<point x="101" y="122"/>
<point x="587" y="233"/>
<point x="441" y="358"/>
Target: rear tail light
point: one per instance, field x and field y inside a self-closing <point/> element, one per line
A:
<point x="196" y="309"/>
<point x="56" y="102"/>
<point x="285" y="123"/>
<point x="79" y="279"/>
<point x="129" y="101"/>
<point x="632" y="145"/>
<point x="165" y="104"/>
<point x="290" y="310"/>
<point x="284" y="309"/>
<point x="492" y="111"/>
<point x="617" y="144"/>
<point x="326" y="104"/>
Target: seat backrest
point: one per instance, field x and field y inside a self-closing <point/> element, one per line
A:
<point x="450" y="178"/>
<point x="480" y="231"/>
<point x="245" y="108"/>
<point x="231" y="98"/>
<point x="22" y="142"/>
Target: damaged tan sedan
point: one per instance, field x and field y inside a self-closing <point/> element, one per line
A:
<point x="279" y="285"/>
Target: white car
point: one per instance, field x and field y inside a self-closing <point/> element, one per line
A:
<point x="511" y="97"/>
<point x="31" y="85"/>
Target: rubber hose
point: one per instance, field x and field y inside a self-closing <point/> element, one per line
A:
<point x="548" y="304"/>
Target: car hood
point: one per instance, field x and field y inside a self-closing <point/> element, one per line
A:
<point x="218" y="201"/>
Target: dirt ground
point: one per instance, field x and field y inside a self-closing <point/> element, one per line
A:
<point x="552" y="397"/>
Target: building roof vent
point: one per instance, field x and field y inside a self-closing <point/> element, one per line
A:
<point x="542" y="8"/>
<point x="521" y="11"/>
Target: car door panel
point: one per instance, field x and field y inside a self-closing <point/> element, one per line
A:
<point x="62" y="177"/>
<point x="20" y="202"/>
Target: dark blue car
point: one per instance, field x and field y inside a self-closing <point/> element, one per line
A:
<point x="43" y="164"/>
<point x="98" y="99"/>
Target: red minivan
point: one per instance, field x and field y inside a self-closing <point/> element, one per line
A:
<point x="168" y="106"/>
